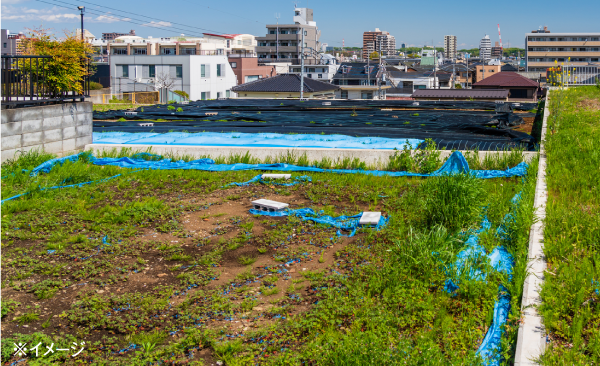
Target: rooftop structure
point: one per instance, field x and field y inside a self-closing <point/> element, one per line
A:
<point x="545" y="49"/>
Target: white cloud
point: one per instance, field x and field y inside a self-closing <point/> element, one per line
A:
<point x="52" y="15"/>
<point x="463" y="44"/>
<point x="160" y="24"/>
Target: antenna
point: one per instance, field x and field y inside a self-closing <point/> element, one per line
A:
<point x="277" y="16"/>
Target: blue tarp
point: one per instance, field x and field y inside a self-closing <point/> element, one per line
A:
<point x="251" y="140"/>
<point x="347" y="223"/>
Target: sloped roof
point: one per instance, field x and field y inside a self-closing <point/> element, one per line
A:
<point x="461" y="93"/>
<point x="356" y="70"/>
<point x="230" y="36"/>
<point x="507" y="79"/>
<point x="509" y="67"/>
<point x="285" y="83"/>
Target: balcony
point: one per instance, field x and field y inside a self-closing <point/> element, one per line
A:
<point x="563" y="53"/>
<point x="564" y="44"/>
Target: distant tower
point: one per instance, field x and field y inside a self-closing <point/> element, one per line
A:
<point x="485" y="47"/>
<point x="450" y="46"/>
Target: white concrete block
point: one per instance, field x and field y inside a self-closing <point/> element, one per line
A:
<point x="130" y="113"/>
<point x="80" y="142"/>
<point x="10" y="142"/>
<point x="268" y="205"/>
<point x="52" y="123"/>
<point x="69" y="132"/>
<point x="31" y="139"/>
<point x="55" y="147"/>
<point x="52" y="135"/>
<point x="11" y="115"/>
<point x="69" y="144"/>
<point x="69" y="120"/>
<point x="32" y="114"/>
<point x="30" y="125"/>
<point x="11" y="128"/>
<point x="83" y="130"/>
<point x="276" y="176"/>
<point x="7" y="154"/>
<point x="369" y="218"/>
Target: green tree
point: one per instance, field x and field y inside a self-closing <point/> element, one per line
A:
<point x="374" y="55"/>
<point x="67" y="67"/>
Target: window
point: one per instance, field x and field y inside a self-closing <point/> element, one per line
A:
<point x="205" y="95"/>
<point x="552" y="39"/>
<point x="284" y="44"/>
<point x="343" y="82"/>
<point x="228" y="43"/>
<point x="344" y="94"/>
<point x="125" y="71"/>
<point x="309" y="75"/>
<point x="204" y="71"/>
<point x="119" y="51"/>
<point x="219" y="67"/>
<point x="320" y="76"/>
<point x="178" y="72"/>
<point x="151" y="71"/>
<point x="250" y="78"/>
<point x="271" y="31"/>
<point x="295" y="69"/>
<point x="272" y="44"/>
<point x="595" y="38"/>
<point x="227" y="93"/>
<point x="305" y="33"/>
<point x="218" y="95"/>
<point x="5" y="45"/>
<point x="366" y="95"/>
<point x="294" y="31"/>
<point x="595" y="59"/>
<point x="293" y="44"/>
<point x="311" y="69"/>
<point x="263" y="44"/>
<point x="305" y="44"/>
<point x="139" y="51"/>
<point x="233" y="65"/>
<point x="284" y="31"/>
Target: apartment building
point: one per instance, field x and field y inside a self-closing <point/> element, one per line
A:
<point x="114" y="35"/>
<point x="450" y="47"/>
<point x="485" y="47"/>
<point x="247" y="69"/>
<point x="497" y="51"/>
<point x="11" y="42"/>
<point x="545" y="49"/>
<point x="283" y="42"/>
<point x="379" y="40"/>
<point x="202" y="77"/>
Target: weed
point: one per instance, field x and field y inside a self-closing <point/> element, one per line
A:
<point x="245" y="260"/>
<point x="27" y="318"/>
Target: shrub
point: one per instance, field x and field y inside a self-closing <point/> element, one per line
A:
<point x="182" y="93"/>
<point x="172" y="102"/>
<point x="95" y="86"/>
<point x="171" y="108"/>
<point x="453" y="201"/>
<point x="179" y="109"/>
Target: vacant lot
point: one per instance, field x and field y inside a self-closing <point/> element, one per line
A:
<point x="170" y="267"/>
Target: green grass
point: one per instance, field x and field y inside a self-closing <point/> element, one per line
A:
<point x="346" y="300"/>
<point x="570" y="302"/>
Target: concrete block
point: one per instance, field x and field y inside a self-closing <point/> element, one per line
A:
<point x="52" y="123"/>
<point x="32" y="113"/>
<point x="69" y="144"/>
<point x="31" y="125"/>
<point x="11" y="128"/>
<point x="69" y="120"/>
<point x="84" y="119"/>
<point x="53" y="135"/>
<point x="69" y="132"/>
<point x="268" y="205"/>
<point x="8" y="154"/>
<point x="276" y="176"/>
<point x="10" y="142"/>
<point x="55" y="147"/>
<point x="85" y="107"/>
<point x="31" y="139"/>
<point x="55" y="110"/>
<point x="83" y="130"/>
<point x="82" y="141"/>
<point x="369" y="218"/>
<point x="11" y="115"/>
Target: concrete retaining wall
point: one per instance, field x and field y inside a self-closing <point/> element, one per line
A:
<point x="371" y="157"/>
<point x="60" y="129"/>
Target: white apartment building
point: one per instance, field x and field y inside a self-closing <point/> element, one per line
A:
<point x="319" y="72"/>
<point x="450" y="47"/>
<point x="202" y="77"/>
<point x="388" y="44"/>
<point x="210" y="44"/>
<point x="485" y="47"/>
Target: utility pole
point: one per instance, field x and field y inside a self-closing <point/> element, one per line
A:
<point x="302" y="66"/>
<point x="380" y="74"/>
<point x="435" y="68"/>
<point x="277" y="37"/>
<point x="82" y="10"/>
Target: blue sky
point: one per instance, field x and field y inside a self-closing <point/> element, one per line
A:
<point x="412" y="22"/>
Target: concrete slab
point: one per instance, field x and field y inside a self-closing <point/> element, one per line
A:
<point x="531" y="340"/>
<point x="11" y="128"/>
<point x="52" y="135"/>
<point x="268" y="205"/>
<point x="276" y="176"/>
<point x="10" y="142"/>
<point x="369" y="218"/>
<point x="30" y="139"/>
<point x="32" y="125"/>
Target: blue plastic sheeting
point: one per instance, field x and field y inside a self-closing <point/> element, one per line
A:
<point x="347" y="223"/>
<point x="455" y="164"/>
<point x="258" y="178"/>
<point x="490" y="346"/>
<point x="46" y="166"/>
<point x="252" y="140"/>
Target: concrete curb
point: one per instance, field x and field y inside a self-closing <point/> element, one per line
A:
<point x="531" y="341"/>
<point x="372" y="157"/>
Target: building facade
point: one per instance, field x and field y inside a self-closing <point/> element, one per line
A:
<point x="283" y="42"/>
<point x="113" y="35"/>
<point x="379" y="40"/>
<point x="11" y="43"/>
<point x="202" y="77"/>
<point x="545" y="49"/>
<point x="485" y="47"/>
<point x="450" y="47"/>
<point x="247" y="69"/>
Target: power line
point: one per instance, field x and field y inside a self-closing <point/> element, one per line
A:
<point x="131" y="20"/>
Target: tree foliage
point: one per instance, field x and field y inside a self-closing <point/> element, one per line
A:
<point x="67" y="67"/>
<point x="374" y="55"/>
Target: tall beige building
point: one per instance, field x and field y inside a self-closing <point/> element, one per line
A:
<point x="545" y="49"/>
<point x="450" y="46"/>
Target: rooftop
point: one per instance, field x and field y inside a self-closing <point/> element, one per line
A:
<point x="506" y="79"/>
<point x="285" y="83"/>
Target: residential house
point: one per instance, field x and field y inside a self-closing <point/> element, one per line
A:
<point x="247" y="69"/>
<point x="518" y="86"/>
<point x="286" y="86"/>
<point x="202" y="77"/>
<point x="485" y="71"/>
<point x="358" y="80"/>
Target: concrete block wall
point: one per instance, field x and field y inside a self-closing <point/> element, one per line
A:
<point x="60" y="129"/>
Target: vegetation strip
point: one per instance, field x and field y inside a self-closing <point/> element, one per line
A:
<point x="570" y="305"/>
